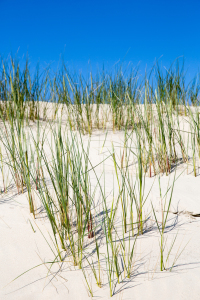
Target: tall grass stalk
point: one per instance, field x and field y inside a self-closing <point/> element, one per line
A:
<point x="165" y="208"/>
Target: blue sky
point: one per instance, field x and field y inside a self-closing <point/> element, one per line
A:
<point x="90" y="33"/>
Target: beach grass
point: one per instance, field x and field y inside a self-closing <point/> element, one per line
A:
<point x="44" y="121"/>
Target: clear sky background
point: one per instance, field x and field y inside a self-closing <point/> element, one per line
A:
<point x="102" y="32"/>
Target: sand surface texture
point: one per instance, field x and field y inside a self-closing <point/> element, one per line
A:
<point x="28" y="253"/>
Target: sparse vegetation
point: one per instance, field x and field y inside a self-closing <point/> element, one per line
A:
<point x="44" y="121"/>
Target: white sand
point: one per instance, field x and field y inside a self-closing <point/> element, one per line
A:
<point x="22" y="248"/>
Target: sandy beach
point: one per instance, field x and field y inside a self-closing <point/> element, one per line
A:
<point x="29" y="256"/>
